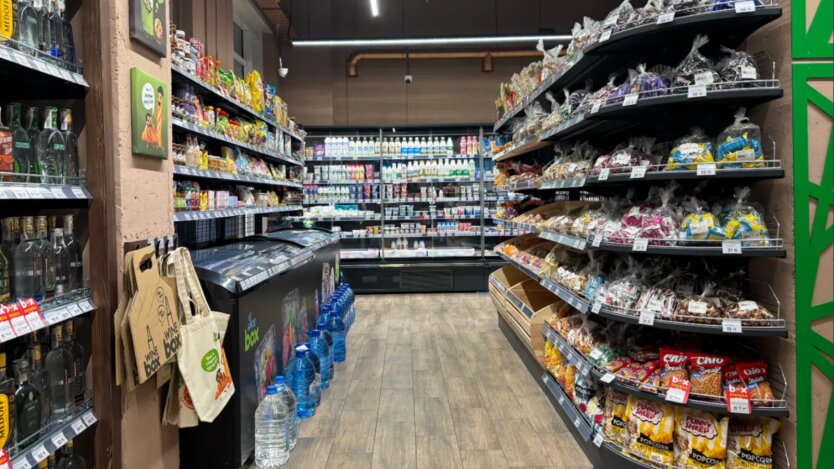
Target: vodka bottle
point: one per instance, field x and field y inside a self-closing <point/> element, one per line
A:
<point x="60" y="368"/>
<point x="30" y="123"/>
<point x="39" y="377"/>
<point x="28" y="262"/>
<point x="74" y="251"/>
<point x="79" y="361"/>
<point x="24" y="151"/>
<point x="42" y="9"/>
<point x="67" y="37"/>
<point x="70" y="460"/>
<point x="61" y="264"/>
<point x="28" y="31"/>
<point x="27" y="403"/>
<point x="71" y="164"/>
<point x="47" y="256"/>
<point x="51" y="148"/>
<point x="9" y="227"/>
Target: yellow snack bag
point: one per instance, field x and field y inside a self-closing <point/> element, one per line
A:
<point x="700" y="439"/>
<point x="650" y="427"/>
<point x="750" y="443"/>
<point x="614" y="425"/>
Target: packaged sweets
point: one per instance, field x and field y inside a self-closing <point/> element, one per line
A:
<point x="652" y="382"/>
<point x="750" y="442"/>
<point x="688" y="7"/>
<point x="619" y="93"/>
<point x="700" y="439"/>
<point x="754" y="376"/>
<point x="649" y="84"/>
<point x="648" y="13"/>
<point x="745" y="221"/>
<point x="620" y="17"/>
<point x="737" y="67"/>
<point x="616" y="404"/>
<point x="705" y="374"/>
<point x="699" y="224"/>
<point x="651" y="427"/>
<point x="582" y="36"/>
<point x="624" y="292"/>
<point x="740" y="144"/>
<point x="674" y="364"/>
<point x="695" y="69"/>
<point x="750" y="312"/>
<point x="704" y="308"/>
<point x="618" y="363"/>
<point x="660" y="225"/>
<point x="691" y="151"/>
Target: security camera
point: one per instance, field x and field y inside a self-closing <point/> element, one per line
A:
<point x="408" y="79"/>
<point x="282" y="70"/>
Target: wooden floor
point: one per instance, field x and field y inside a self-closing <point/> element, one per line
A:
<point x="431" y="382"/>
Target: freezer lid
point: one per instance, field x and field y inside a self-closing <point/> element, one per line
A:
<point x="239" y="266"/>
<point x="311" y="238"/>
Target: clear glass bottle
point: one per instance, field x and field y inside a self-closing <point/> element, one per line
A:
<point x="42" y="10"/>
<point x="28" y="261"/>
<point x="6" y="151"/>
<point x="71" y="163"/>
<point x="62" y="263"/>
<point x="60" y="368"/>
<point x="74" y="251"/>
<point x="39" y="377"/>
<point x="6" y="272"/>
<point x="24" y="152"/>
<point x="47" y="256"/>
<point x="7" y="405"/>
<point x="51" y="148"/>
<point x="56" y="50"/>
<point x="70" y="460"/>
<point x="67" y="37"/>
<point x="32" y="126"/>
<point x="27" y="403"/>
<point x="79" y="364"/>
<point x="7" y="247"/>
<point x="27" y="32"/>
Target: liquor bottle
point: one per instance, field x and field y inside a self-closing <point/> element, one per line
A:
<point x="23" y="150"/>
<point x="61" y="264"/>
<point x="39" y="377"/>
<point x="27" y="31"/>
<point x="32" y="126"/>
<point x="27" y="402"/>
<point x="67" y="37"/>
<point x="6" y="151"/>
<point x="59" y="368"/>
<point x="47" y="256"/>
<point x="9" y="227"/>
<point x="51" y="148"/>
<point x="42" y="10"/>
<point x="70" y="460"/>
<point x="76" y="275"/>
<point x="71" y="162"/>
<point x="79" y="362"/>
<point x="7" y="405"/>
<point x="28" y="263"/>
<point x="51" y="462"/>
<point x="56" y="51"/>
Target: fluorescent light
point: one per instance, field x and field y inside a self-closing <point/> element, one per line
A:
<point x="374" y="8"/>
<point x="428" y="41"/>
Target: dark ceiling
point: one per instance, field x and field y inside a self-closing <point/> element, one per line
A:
<point x="342" y="19"/>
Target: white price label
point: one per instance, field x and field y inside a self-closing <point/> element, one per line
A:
<point x="739" y="405"/>
<point x="749" y="73"/>
<point x="596" y="354"/>
<point x="646" y="318"/>
<point x="78" y="193"/>
<point x="597" y="240"/>
<point x="747" y="305"/>
<point x="678" y="396"/>
<point x="731" y="326"/>
<point x="20" y="193"/>
<point x="20" y="325"/>
<point x="704" y="78"/>
<point x="747" y="6"/>
<point x="631" y="99"/>
<point x="53" y="70"/>
<point x="607" y="378"/>
<point x="39" y="453"/>
<point x="6" y="331"/>
<point x="74" y="310"/>
<point x="58" y="193"/>
<point x="40" y="65"/>
<point x="561" y="399"/>
<point x="603" y="174"/>
<point x="599" y="439"/>
<point x="638" y="172"/>
<point x="595" y="107"/>
<point x="697" y="307"/>
<point x="640" y="245"/>
<point x="59" y="440"/>
<point x="35" y="321"/>
<point x="731" y="246"/>
<point x="89" y="418"/>
<point x="606" y="35"/>
<point x="596" y="308"/>
<point x="746" y="155"/>
<point x="22" y="463"/>
<point x="666" y="18"/>
<point x="706" y="169"/>
<point x="78" y="426"/>
<point x="35" y="193"/>
<point x="696" y="91"/>
<point x="4" y="54"/>
<point x="577" y="421"/>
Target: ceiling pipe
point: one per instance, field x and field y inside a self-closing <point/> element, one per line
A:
<point x="487" y="57"/>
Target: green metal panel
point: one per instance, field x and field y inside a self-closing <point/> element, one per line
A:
<point x="812" y="41"/>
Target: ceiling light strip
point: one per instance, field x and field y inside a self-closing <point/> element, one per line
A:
<point x="428" y="41"/>
<point x="374" y="8"/>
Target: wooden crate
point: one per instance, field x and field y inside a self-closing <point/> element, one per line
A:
<point x="528" y="306"/>
<point x="502" y="280"/>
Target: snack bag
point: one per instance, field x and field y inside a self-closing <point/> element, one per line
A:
<point x="745" y="221"/>
<point x="700" y="439"/>
<point x="739" y="145"/>
<point x="690" y="151"/>
<point x="750" y="442"/>
<point x="750" y="312"/>
<point x="729" y="375"/>
<point x="616" y="404"/>
<point x="649" y="84"/>
<point x="695" y="69"/>
<point x="737" y="66"/>
<point x="699" y="224"/>
<point x="754" y="376"/>
<point x="651" y="427"/>
<point x="705" y="374"/>
<point x="674" y="364"/>
<point x="619" y="18"/>
<point x="660" y="225"/>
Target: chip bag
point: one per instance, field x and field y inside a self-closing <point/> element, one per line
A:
<point x="700" y="439"/>
<point x="651" y="428"/>
<point x="750" y="443"/>
<point x="754" y="375"/>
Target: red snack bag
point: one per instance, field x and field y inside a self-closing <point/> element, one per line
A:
<point x="729" y="375"/>
<point x="754" y="376"/>
<point x="705" y="374"/>
<point x="673" y="363"/>
<point x="618" y="363"/>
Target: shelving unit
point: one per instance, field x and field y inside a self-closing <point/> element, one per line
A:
<point x="54" y="439"/>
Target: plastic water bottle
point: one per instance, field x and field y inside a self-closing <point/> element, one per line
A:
<point x="315" y="387"/>
<point x="272" y="447"/>
<point x="337" y="330"/>
<point x="288" y="376"/>
<point x="288" y="397"/>
<point x="319" y="346"/>
<point x="304" y="373"/>
<point x="323" y="327"/>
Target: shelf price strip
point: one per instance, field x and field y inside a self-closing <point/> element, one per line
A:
<point x="30" y="318"/>
<point x="53" y="442"/>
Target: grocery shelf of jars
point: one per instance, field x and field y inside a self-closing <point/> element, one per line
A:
<point x="45" y="293"/>
<point x="627" y="283"/>
<point x="238" y="155"/>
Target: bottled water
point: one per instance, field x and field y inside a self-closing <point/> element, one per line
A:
<point x="288" y="397"/>
<point x="337" y="330"/>
<point x="271" y="437"/>
<point x="315" y="387"/>
<point x="304" y="373"/>
<point x="319" y="346"/>
<point x="324" y="328"/>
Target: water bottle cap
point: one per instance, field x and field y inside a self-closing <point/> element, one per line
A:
<point x="314" y="333"/>
<point x="302" y="347"/>
<point x="271" y="389"/>
<point x="280" y="379"/>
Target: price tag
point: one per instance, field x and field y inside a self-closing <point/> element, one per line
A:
<point x="607" y="378"/>
<point x="638" y="172"/>
<point x="89" y="419"/>
<point x="599" y="439"/>
<point x="731" y="246"/>
<point x="22" y="463"/>
<point x="74" y="310"/>
<point x="696" y="91"/>
<point x="595" y="107"/>
<point x="597" y="240"/>
<point x="596" y="308"/>
<point x="596" y="354"/>
<point x="58" y="193"/>
<point x="19" y="324"/>
<point x="20" y="193"/>
<point x="4" y="54"/>
<point x="666" y="18"/>
<point x="640" y="245"/>
<point x="603" y="174"/>
<point x="78" y="193"/>
<point x="577" y="421"/>
<point x="747" y="6"/>
<point x="35" y="193"/>
<point x="6" y="331"/>
<point x="606" y="35"/>
<point x="35" y="320"/>
<point x="678" y="391"/>
<point x="561" y="399"/>
<point x="39" y="453"/>
<point x="749" y="73"/>
<point x="738" y="399"/>
<point x="630" y="99"/>
<point x="59" y="440"/>
<point x="706" y="169"/>
<point x="40" y="65"/>
<point x="78" y="426"/>
<point x="646" y="318"/>
<point x="731" y="326"/>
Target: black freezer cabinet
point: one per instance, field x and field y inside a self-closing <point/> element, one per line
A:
<point x="272" y="286"/>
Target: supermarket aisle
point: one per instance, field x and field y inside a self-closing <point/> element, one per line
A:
<point x="430" y="382"/>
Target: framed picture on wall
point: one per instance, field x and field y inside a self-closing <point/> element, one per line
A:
<point x="148" y="24"/>
<point x="148" y="114"/>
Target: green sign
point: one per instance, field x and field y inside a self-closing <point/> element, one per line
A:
<point x="149" y="113"/>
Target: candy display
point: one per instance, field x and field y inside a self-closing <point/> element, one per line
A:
<point x="690" y="151"/>
<point x="232" y="160"/>
<point x="695" y="68"/>
<point x="745" y="221"/>
<point x="740" y="144"/>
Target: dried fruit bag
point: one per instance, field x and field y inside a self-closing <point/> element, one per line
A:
<point x="690" y="151"/>
<point x="651" y="426"/>
<point x="750" y="443"/>
<point x="740" y="144"/>
<point x="700" y="439"/>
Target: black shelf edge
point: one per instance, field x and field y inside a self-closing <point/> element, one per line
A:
<point x="53" y="311"/>
<point x="190" y="173"/>
<point x="56" y="439"/>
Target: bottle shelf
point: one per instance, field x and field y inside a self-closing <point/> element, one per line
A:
<point x="54" y="439"/>
<point x="341" y="183"/>
<point x="416" y="218"/>
<point x="24" y="67"/>
<point x="433" y="200"/>
<point x="429" y="157"/>
<point x="337" y="219"/>
<point x="180" y="170"/>
<point x="232" y="212"/>
<point x="37" y="191"/>
<point x="341" y="159"/>
<point x="431" y="180"/>
<point x="53" y="311"/>
<point x="179" y="124"/>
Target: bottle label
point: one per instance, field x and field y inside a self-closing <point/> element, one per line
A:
<point x="24" y="145"/>
<point x="4" y="419"/>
